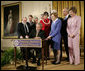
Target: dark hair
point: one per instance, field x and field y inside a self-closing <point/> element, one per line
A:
<point x="46" y="13"/>
<point x="73" y="9"/>
<point x="30" y="16"/>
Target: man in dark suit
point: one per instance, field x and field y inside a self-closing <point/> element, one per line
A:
<point x="23" y="32"/>
<point x="64" y="32"/>
<point x="38" y="34"/>
<point x="23" y="28"/>
<point x="32" y="25"/>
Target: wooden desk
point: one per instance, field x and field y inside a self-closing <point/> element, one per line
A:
<point x="28" y="43"/>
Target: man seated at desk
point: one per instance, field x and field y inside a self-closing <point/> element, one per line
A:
<point x="38" y="34"/>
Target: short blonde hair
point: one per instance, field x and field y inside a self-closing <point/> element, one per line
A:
<point x="23" y="18"/>
<point x="55" y="13"/>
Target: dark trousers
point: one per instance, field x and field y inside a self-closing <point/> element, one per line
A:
<point x="23" y="50"/>
<point x="65" y="38"/>
<point x="38" y="53"/>
<point x="29" y="54"/>
<point x="47" y="48"/>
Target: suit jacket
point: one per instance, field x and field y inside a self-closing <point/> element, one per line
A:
<point x="46" y="27"/>
<point x="21" y="29"/>
<point x="64" y="26"/>
<point x="55" y="31"/>
<point x="40" y="34"/>
<point x="33" y="26"/>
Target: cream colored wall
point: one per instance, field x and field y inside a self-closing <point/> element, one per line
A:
<point x="36" y="8"/>
<point x="32" y="7"/>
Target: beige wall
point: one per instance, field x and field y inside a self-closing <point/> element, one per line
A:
<point x="32" y="7"/>
<point x="36" y="8"/>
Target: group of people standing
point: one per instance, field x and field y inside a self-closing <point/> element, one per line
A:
<point x="54" y="29"/>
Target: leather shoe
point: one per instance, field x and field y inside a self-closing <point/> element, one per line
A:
<point x="66" y="59"/>
<point x="38" y="62"/>
<point x="34" y="60"/>
<point x="55" y="63"/>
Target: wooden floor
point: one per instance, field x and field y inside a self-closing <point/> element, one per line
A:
<point x="63" y="66"/>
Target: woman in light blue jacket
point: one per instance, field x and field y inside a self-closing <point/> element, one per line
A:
<point x="56" y="37"/>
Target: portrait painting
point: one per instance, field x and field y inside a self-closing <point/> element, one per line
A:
<point x="11" y="17"/>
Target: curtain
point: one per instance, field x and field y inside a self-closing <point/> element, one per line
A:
<point x="59" y="5"/>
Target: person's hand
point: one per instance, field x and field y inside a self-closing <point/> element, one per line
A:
<point x="49" y="37"/>
<point x="37" y="38"/>
<point x="26" y="36"/>
<point x="21" y="36"/>
<point x="72" y="36"/>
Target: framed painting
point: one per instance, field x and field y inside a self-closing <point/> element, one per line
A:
<point x="10" y="16"/>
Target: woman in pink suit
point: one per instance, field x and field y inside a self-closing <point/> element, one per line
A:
<point x="73" y="27"/>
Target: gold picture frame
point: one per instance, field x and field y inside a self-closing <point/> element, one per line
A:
<point x="16" y="10"/>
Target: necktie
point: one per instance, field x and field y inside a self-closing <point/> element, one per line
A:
<point x="25" y="29"/>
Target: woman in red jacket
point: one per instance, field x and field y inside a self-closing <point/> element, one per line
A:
<point x="46" y="25"/>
